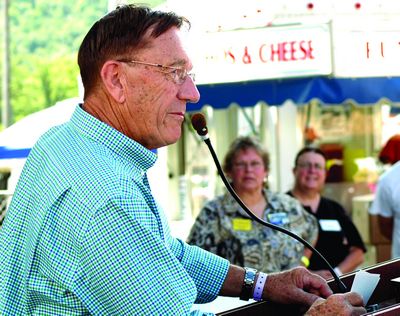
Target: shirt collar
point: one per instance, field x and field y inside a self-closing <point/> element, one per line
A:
<point x="120" y="144"/>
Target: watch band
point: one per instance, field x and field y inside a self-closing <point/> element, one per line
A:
<point x="248" y="282"/>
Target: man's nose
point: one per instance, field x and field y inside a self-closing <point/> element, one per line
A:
<point x="189" y="91"/>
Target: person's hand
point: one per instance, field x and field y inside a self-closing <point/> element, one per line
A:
<point x="326" y="274"/>
<point x="295" y="286"/>
<point x="347" y="304"/>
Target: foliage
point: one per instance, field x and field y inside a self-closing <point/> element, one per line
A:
<point x="39" y="83"/>
<point x="44" y="40"/>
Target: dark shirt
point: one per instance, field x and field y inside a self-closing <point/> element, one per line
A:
<point x="333" y="245"/>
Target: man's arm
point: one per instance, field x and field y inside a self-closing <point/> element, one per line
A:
<point x="296" y="286"/>
<point x="352" y="261"/>
<point x="232" y="285"/>
<point x="386" y="226"/>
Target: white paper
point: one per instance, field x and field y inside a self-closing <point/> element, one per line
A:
<point x="364" y="284"/>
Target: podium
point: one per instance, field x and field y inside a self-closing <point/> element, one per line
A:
<point x="385" y="300"/>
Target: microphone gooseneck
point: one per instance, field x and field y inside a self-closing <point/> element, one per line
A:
<point x="200" y="125"/>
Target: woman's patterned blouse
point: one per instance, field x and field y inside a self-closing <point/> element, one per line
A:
<point x="223" y="228"/>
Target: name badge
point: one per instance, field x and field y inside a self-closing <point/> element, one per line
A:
<point x="278" y="218"/>
<point x="330" y="225"/>
<point x="242" y="224"/>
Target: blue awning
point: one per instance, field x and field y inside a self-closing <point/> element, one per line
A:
<point x="12" y="153"/>
<point x="299" y="90"/>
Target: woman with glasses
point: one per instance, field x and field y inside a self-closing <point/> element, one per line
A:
<point x="222" y="226"/>
<point x="338" y="240"/>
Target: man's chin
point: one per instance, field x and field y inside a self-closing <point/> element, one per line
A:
<point x="172" y="138"/>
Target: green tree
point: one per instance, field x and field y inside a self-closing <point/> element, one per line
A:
<point x="44" y="40"/>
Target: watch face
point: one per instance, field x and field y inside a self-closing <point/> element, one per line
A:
<point x="248" y="281"/>
<point x="250" y="275"/>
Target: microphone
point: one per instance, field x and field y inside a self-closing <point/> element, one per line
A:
<point x="200" y="125"/>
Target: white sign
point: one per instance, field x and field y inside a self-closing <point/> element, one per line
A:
<point x="365" y="50"/>
<point x="263" y="53"/>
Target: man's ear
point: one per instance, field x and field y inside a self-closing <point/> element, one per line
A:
<point x="112" y="76"/>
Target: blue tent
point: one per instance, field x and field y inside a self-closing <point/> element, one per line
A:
<point x="17" y="140"/>
<point x="300" y="90"/>
<point x="11" y="153"/>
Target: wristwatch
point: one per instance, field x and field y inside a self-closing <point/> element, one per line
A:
<point x="248" y="282"/>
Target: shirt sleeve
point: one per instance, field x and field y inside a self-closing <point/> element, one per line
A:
<point x="127" y="269"/>
<point x="382" y="203"/>
<point x="311" y="233"/>
<point x="350" y="230"/>
<point x="205" y="231"/>
<point x="207" y="270"/>
<point x="309" y="223"/>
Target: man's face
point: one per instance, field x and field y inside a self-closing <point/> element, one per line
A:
<point x="155" y="104"/>
<point x="310" y="172"/>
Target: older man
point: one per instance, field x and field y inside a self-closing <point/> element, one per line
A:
<point x="84" y="235"/>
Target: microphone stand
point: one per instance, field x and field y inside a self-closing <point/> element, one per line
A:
<point x="340" y="284"/>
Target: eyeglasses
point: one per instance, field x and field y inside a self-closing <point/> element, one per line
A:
<point x="243" y="165"/>
<point x="177" y="74"/>
<point x="309" y="165"/>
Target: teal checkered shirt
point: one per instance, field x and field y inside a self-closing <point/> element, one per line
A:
<point x="84" y="235"/>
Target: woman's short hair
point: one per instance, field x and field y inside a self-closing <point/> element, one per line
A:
<point x="245" y="143"/>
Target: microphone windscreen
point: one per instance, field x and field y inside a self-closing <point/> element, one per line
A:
<point x="199" y="124"/>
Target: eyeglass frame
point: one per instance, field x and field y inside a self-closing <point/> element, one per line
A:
<point x="309" y="165"/>
<point x="177" y="79"/>
<point x="255" y="165"/>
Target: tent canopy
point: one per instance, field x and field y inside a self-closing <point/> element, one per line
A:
<point x="17" y="140"/>
<point x="299" y="90"/>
